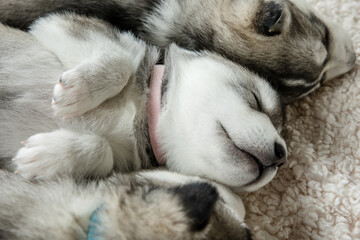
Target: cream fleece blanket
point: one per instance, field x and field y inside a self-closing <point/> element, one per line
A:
<point x="316" y="195"/>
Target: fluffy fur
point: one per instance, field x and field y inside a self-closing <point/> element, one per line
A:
<point x="284" y="41"/>
<point x="217" y="119"/>
<point x="148" y="205"/>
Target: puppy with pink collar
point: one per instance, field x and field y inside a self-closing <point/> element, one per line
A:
<point x="199" y="114"/>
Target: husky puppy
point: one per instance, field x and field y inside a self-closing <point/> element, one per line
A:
<point x="284" y="41"/>
<point x="215" y="120"/>
<point x="152" y="205"/>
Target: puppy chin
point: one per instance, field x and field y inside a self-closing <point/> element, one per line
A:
<point x="267" y="175"/>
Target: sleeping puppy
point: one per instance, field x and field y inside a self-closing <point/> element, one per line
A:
<point x="214" y="119"/>
<point x="284" y="41"/>
<point x="147" y="205"/>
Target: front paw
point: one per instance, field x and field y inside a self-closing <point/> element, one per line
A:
<point x="39" y="158"/>
<point x="64" y="152"/>
<point x="71" y="95"/>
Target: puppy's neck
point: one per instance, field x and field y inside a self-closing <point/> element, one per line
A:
<point x="154" y="107"/>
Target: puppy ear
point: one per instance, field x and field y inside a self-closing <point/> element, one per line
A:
<point x="198" y="200"/>
<point x="269" y="19"/>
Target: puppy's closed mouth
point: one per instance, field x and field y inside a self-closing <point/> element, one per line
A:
<point x="255" y="159"/>
<point x="245" y="153"/>
<point x="263" y="170"/>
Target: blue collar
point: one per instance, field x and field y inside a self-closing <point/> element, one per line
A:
<point x="95" y="230"/>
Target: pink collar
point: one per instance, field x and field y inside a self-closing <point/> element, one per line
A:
<point x="154" y="106"/>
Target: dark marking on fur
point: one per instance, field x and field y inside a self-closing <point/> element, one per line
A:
<point x="128" y="15"/>
<point x="129" y="18"/>
<point x="6" y="96"/>
<point x="267" y="17"/>
<point x="81" y="26"/>
<point x="292" y="92"/>
<point x="152" y="159"/>
<point x="198" y="200"/>
<point x="248" y="234"/>
<point x="161" y="60"/>
<point x="6" y="163"/>
<point x="204" y="40"/>
<point x="7" y="229"/>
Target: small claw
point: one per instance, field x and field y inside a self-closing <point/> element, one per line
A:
<point x="24" y="142"/>
<point x="53" y="101"/>
<point x="17" y="171"/>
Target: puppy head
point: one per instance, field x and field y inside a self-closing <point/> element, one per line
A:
<point x="165" y="205"/>
<point x="220" y="121"/>
<point x="287" y="42"/>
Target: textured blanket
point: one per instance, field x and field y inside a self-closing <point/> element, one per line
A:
<point x="316" y="195"/>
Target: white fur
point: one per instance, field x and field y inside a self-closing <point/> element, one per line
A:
<point x="51" y="32"/>
<point x="64" y="152"/>
<point x="198" y="101"/>
<point x="209" y="117"/>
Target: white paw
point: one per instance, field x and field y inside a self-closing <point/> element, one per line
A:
<point x="63" y="152"/>
<point x="71" y="95"/>
<point x="40" y="158"/>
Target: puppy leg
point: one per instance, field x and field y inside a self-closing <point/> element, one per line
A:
<point x="100" y="60"/>
<point x="64" y="152"/>
<point x="89" y="84"/>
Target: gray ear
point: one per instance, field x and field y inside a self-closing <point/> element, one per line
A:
<point x="277" y="27"/>
<point x="269" y="19"/>
<point x="198" y="200"/>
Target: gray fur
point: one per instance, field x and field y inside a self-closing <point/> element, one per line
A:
<point x="130" y="207"/>
<point x="35" y="102"/>
<point x="101" y="81"/>
<point x="286" y="54"/>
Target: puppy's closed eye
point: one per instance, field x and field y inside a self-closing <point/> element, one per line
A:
<point x="258" y="103"/>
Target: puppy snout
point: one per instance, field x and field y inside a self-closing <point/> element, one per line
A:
<point x="280" y="155"/>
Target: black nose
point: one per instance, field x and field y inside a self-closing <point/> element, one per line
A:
<point x="280" y="154"/>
